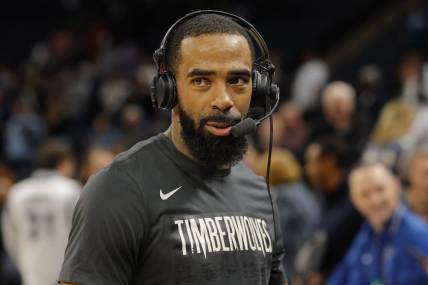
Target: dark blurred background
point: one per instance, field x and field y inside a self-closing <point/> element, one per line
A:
<point x="293" y="27"/>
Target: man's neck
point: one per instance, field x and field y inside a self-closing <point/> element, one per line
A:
<point x="377" y="228"/>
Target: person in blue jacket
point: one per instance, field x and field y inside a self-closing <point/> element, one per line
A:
<point x="392" y="246"/>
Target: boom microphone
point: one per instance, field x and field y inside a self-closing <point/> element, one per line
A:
<point x="249" y="125"/>
<point x="244" y="127"/>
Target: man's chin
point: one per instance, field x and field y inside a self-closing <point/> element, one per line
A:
<point x="211" y="143"/>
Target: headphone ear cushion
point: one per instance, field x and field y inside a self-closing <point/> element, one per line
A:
<point x="261" y="88"/>
<point x="164" y="92"/>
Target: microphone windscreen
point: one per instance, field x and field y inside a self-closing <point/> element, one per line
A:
<point x="244" y="127"/>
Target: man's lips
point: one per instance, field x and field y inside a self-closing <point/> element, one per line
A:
<point x="218" y="128"/>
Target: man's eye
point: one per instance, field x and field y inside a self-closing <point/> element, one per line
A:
<point x="200" y="81"/>
<point x="238" y="80"/>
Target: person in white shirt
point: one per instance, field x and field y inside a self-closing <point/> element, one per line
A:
<point x="36" y="219"/>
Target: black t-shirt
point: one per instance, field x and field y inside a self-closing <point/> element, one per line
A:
<point x="156" y="217"/>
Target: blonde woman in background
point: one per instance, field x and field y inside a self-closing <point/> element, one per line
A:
<point x="384" y="144"/>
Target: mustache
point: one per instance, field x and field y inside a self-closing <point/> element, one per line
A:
<point x="230" y="120"/>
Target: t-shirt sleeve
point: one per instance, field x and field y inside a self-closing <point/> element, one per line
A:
<point x="108" y="231"/>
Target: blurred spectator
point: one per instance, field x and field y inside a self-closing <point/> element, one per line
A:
<point x="298" y="208"/>
<point x="313" y="167"/>
<point x="126" y="59"/>
<point x="25" y="129"/>
<point x="339" y="118"/>
<point x="37" y="216"/>
<point x="417" y="135"/>
<point x="114" y="92"/>
<point x="40" y="57"/>
<point x="410" y="74"/>
<point x="98" y="41"/>
<point x="416" y="23"/>
<point x="417" y="194"/>
<point x="392" y="247"/>
<point x="144" y="79"/>
<point x="424" y="96"/>
<point x="104" y="133"/>
<point x="310" y="78"/>
<point x="384" y="143"/>
<point x="295" y="130"/>
<point x="135" y="126"/>
<point x="61" y="46"/>
<point x="371" y="94"/>
<point x="145" y="73"/>
<point x="264" y="132"/>
<point x="338" y="105"/>
<point x="326" y="168"/>
<point x="95" y="160"/>
<point x="7" y="179"/>
<point x="79" y="85"/>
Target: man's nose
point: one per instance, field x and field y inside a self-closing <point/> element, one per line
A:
<point x="375" y="199"/>
<point x="222" y="100"/>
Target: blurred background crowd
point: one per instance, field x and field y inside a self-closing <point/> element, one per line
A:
<point x="354" y="87"/>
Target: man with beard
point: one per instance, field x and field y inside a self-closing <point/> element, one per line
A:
<point x="392" y="246"/>
<point x="181" y="207"/>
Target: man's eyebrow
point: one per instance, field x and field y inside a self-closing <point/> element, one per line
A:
<point x="200" y="72"/>
<point x="240" y="72"/>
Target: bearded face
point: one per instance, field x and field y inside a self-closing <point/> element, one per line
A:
<point x="212" y="151"/>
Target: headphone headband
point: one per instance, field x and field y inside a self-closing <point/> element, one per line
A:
<point x="255" y="35"/>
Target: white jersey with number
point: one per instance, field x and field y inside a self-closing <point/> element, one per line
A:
<point x="36" y="223"/>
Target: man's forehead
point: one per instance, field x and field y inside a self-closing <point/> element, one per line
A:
<point x="372" y="175"/>
<point x="213" y="36"/>
<point x="214" y="53"/>
<point x="212" y="43"/>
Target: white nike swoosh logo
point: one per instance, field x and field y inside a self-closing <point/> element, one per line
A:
<point x="164" y="196"/>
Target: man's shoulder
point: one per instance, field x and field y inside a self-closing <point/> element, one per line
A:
<point x="19" y="191"/>
<point x="32" y="182"/>
<point x="137" y="158"/>
<point x="242" y="175"/>
<point x="53" y="186"/>
<point x="242" y="171"/>
<point x="128" y="167"/>
<point x="67" y="181"/>
<point x="140" y="149"/>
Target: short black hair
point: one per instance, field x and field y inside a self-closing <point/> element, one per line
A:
<point x="51" y="153"/>
<point x="201" y="25"/>
<point x="335" y="147"/>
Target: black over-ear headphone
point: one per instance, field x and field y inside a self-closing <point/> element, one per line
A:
<point x="164" y="91"/>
